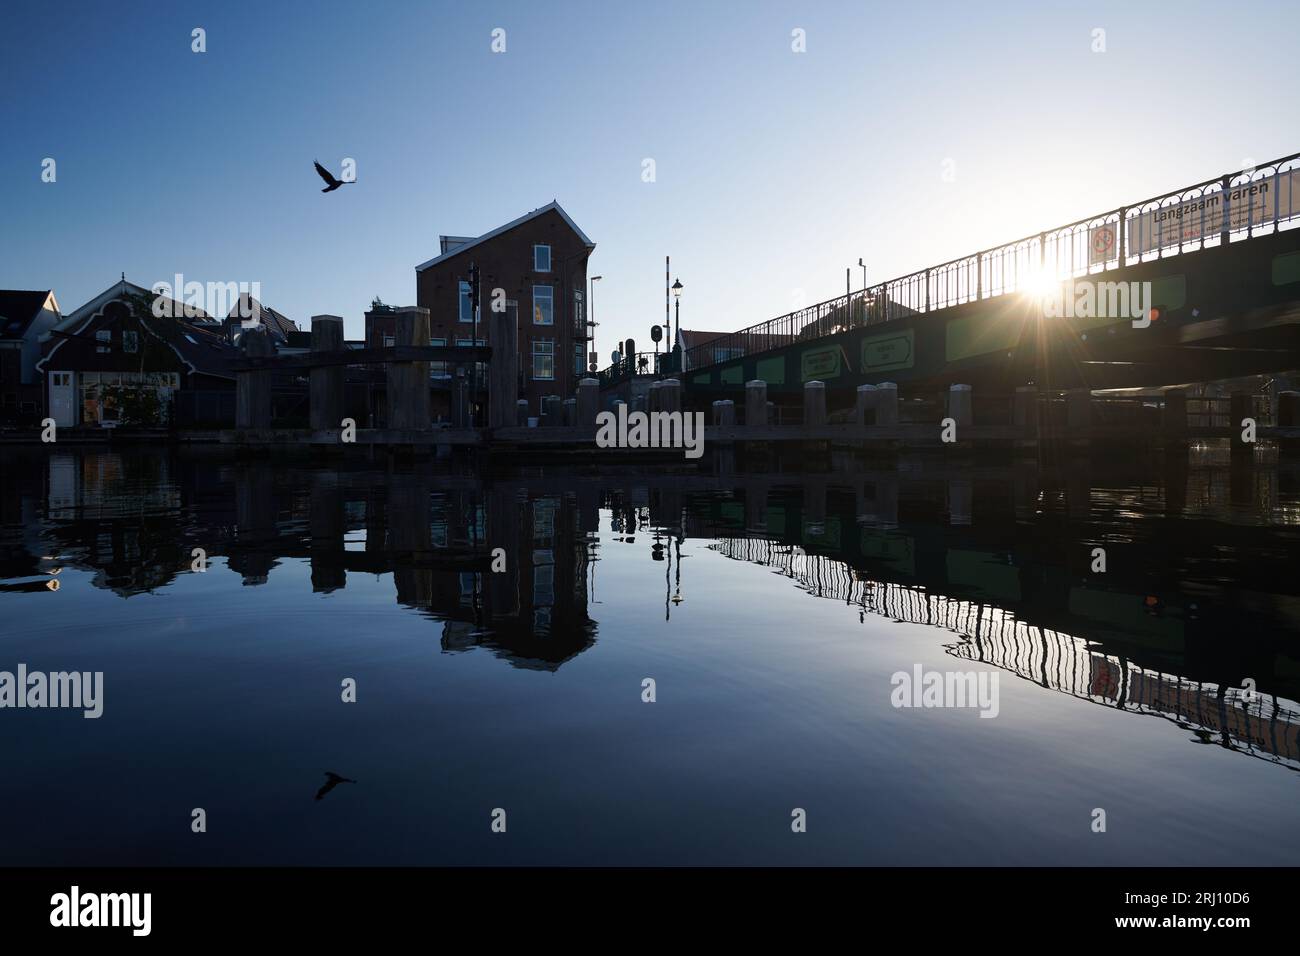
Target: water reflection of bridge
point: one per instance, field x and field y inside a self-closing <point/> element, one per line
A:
<point x="1262" y="725"/>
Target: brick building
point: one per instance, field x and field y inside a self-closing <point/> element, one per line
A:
<point x="540" y="261"/>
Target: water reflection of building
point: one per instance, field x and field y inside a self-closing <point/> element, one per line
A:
<point x="132" y="520"/>
<point x="1263" y="725"/>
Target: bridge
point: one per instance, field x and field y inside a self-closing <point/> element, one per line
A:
<point x="1222" y="259"/>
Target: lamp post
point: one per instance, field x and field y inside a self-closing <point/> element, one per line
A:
<point x="591" y="314"/>
<point x="677" y="296"/>
<point x="864" y="274"/>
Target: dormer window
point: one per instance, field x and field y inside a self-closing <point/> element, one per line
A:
<point x="541" y="258"/>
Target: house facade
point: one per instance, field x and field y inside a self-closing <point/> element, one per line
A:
<point x="112" y="362"/>
<point x="25" y="318"/>
<point x="540" y="261"/>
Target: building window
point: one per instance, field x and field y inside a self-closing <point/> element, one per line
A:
<point x="578" y="317"/>
<point x="389" y="341"/>
<point x="543" y="360"/>
<point x="541" y="258"/>
<point x="466" y="305"/>
<point x="103" y="337"/>
<point x="577" y="359"/>
<point x="130" y="341"/>
<point x="543" y="305"/>
<point x="438" y="369"/>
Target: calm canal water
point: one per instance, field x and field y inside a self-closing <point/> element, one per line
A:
<point x="771" y="608"/>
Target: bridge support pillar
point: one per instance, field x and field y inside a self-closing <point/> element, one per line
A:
<point x="326" y="389"/>
<point x="960" y="405"/>
<point x="864" y="407"/>
<point x="588" y="402"/>
<point x="1174" y="417"/>
<point x="253" y="389"/>
<point x="814" y="404"/>
<point x="756" y="403"/>
<point x="408" y="382"/>
<point x="724" y="413"/>
<point x="1078" y="408"/>
<point x="887" y="403"/>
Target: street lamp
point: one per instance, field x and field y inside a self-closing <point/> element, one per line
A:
<point x="864" y="274"/>
<point x="591" y="313"/>
<point x="677" y="297"/>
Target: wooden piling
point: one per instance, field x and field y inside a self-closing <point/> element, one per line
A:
<point x="326" y="389"/>
<point x="814" y="403"/>
<point x="408" y="382"/>
<point x="253" y="389"/>
<point x="503" y="369"/>
<point x="756" y="403"/>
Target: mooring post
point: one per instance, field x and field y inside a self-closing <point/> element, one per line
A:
<point x="253" y="389"/>
<point x="960" y="405"/>
<point x="521" y="411"/>
<point x="503" y="368"/>
<point x="756" y="404"/>
<point x="569" y="411"/>
<point x="670" y="395"/>
<point x="887" y="403"/>
<point x="326" y="389"/>
<point x="814" y="403"/>
<point x="408" y="382"/>
<point x="864" y="406"/>
<point x="724" y="413"/>
<point x="653" y="399"/>
<point x="588" y="402"/>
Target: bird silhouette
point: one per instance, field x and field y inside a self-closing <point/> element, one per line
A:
<point x="332" y="780"/>
<point x="331" y="183"/>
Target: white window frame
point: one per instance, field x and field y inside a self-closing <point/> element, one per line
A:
<point x="103" y="340"/>
<point x="548" y="297"/>
<point x="548" y="351"/>
<point x="130" y="341"/>
<point x="537" y="267"/>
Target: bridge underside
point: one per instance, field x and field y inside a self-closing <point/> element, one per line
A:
<point x="1223" y="312"/>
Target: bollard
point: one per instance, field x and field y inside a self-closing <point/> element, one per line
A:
<point x="670" y="395"/>
<point x="960" y="405"/>
<point x="864" y="407"/>
<point x="724" y="413"/>
<point x="814" y="404"/>
<point x="326" y="389"/>
<point x="521" y="412"/>
<point x="588" y="400"/>
<point x="652" y="400"/>
<point x="756" y="403"/>
<point x="887" y="403"/>
<point x="569" y="411"/>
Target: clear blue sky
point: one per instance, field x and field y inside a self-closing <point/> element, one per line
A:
<point x="775" y="169"/>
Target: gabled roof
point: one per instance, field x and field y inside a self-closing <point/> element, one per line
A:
<point x="277" y="323"/>
<point x="203" y="350"/>
<point x="18" y="308"/>
<point x="457" y="250"/>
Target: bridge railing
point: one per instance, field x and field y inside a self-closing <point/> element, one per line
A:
<point x="1256" y="201"/>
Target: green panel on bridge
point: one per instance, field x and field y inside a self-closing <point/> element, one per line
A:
<point x="825" y="535"/>
<point x="1169" y="292"/>
<point x="772" y="370"/>
<point x="825" y="362"/>
<point x="980" y="334"/>
<point x="776" y="520"/>
<point x="1286" y="268"/>
<point x="733" y="375"/>
<point x="883" y="353"/>
<point x="703" y="378"/>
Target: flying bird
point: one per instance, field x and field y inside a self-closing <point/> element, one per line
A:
<point x="331" y="183"/>
<point x="332" y="780"/>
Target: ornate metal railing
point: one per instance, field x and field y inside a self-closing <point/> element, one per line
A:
<point x="1256" y="201"/>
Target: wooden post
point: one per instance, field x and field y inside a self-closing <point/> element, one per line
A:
<point x="814" y="403"/>
<point x="408" y="382"/>
<point x="887" y="403"/>
<point x="756" y="403"/>
<point x="652" y="398"/>
<point x="521" y="412"/>
<point x="569" y="411"/>
<point x="253" y="389"/>
<point x="724" y="413"/>
<point x="588" y="402"/>
<point x="670" y="395"/>
<point x="960" y="405"/>
<point x="864" y="408"/>
<point x="503" y="369"/>
<point x="326" y="390"/>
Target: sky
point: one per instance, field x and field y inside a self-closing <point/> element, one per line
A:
<point x="905" y="134"/>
